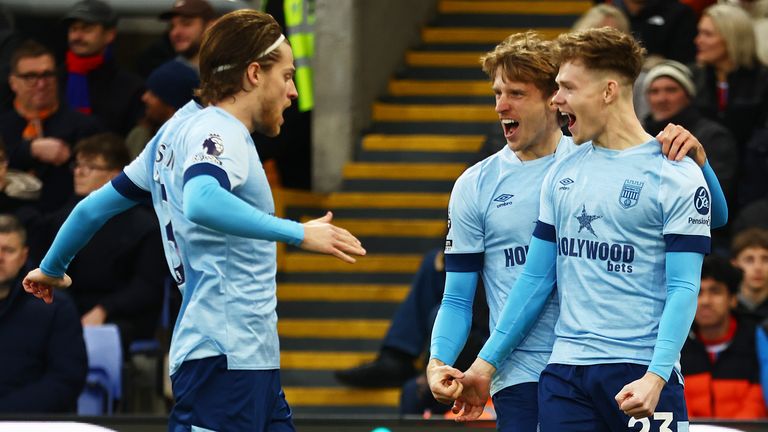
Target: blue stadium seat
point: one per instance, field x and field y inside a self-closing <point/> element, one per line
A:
<point x="105" y="370"/>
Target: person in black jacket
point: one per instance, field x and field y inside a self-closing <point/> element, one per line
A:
<point x="43" y="356"/>
<point x="39" y="130"/>
<point x="118" y="277"/>
<point x="666" y="28"/>
<point x="95" y="84"/>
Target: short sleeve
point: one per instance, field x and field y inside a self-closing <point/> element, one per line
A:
<point x="466" y="232"/>
<point x="139" y="171"/>
<point x="546" y="205"/>
<point x="686" y="207"/>
<point x="218" y="149"/>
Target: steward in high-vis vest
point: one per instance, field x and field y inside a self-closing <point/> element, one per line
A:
<point x="299" y="23"/>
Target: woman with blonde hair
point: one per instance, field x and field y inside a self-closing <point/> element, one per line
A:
<point x="731" y="84"/>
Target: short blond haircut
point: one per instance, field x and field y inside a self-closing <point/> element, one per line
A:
<point x="737" y="30"/>
<point x="593" y="18"/>
<point x="524" y="57"/>
<point x="602" y="49"/>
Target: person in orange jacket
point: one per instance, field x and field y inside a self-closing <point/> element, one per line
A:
<point x="719" y="360"/>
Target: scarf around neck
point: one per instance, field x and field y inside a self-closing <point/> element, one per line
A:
<point x="78" y="69"/>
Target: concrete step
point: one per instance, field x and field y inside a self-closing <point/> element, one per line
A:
<point x="434" y="113"/>
<point x="440" y="88"/>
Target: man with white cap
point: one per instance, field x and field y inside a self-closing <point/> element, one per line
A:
<point x="669" y="89"/>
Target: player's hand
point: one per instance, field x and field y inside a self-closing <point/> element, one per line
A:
<point x="443" y="381"/>
<point x="321" y="236"/>
<point x="677" y="142"/>
<point x="42" y="286"/>
<point x="477" y="385"/>
<point x="638" y="399"/>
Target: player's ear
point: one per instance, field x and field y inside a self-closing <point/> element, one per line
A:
<point x="611" y="91"/>
<point x="252" y="74"/>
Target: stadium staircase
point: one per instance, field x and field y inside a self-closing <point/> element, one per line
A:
<point x="433" y="121"/>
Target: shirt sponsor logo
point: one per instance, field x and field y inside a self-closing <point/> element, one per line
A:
<point x="630" y="193"/>
<point x="701" y="201"/>
<point x="515" y="256"/>
<point x="585" y="220"/>
<point x="617" y="257"/>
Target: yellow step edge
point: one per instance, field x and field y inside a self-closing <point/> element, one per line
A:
<point x="425" y="143"/>
<point x="403" y="171"/>
<point x="362" y="200"/>
<point x="443" y="58"/>
<point x="440" y="88"/>
<point x="374" y="263"/>
<point x="341" y="292"/>
<point x="514" y="7"/>
<point x="332" y="329"/>
<point x="438" y="113"/>
<point x="332" y="396"/>
<point x="321" y="360"/>
<point x="392" y="227"/>
<point x="479" y="35"/>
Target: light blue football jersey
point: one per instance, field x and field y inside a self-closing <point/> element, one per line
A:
<point x="615" y="215"/>
<point x="492" y="212"/>
<point x="227" y="282"/>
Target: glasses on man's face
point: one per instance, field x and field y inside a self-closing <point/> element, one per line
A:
<point x="31" y="78"/>
<point x="86" y="168"/>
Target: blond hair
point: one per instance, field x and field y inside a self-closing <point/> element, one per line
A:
<point x="736" y="28"/>
<point x="595" y="16"/>
<point x="524" y="57"/>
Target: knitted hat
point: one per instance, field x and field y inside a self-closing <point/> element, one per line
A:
<point x="174" y="83"/>
<point x="675" y="70"/>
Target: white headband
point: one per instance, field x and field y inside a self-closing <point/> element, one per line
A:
<point x="269" y="49"/>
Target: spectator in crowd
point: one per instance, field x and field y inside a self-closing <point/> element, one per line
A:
<point x="169" y="87"/>
<point x="749" y="252"/>
<point x="188" y="20"/>
<point x="602" y="15"/>
<point x="666" y="28"/>
<point x="39" y="131"/>
<point x="19" y="191"/>
<point x="731" y="85"/>
<point x="118" y="276"/>
<point x="95" y="83"/>
<point x="43" y="357"/>
<point x="669" y="89"/>
<point x="719" y="359"/>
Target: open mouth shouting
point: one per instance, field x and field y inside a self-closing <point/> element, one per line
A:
<point x="510" y="127"/>
<point x="569" y="118"/>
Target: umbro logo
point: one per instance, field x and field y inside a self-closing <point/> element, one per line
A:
<point x="504" y="200"/>
<point x="565" y="183"/>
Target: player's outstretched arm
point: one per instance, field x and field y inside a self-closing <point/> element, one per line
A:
<point x="676" y="143"/>
<point x="86" y="218"/>
<point x="208" y="204"/>
<point x="321" y="236"/>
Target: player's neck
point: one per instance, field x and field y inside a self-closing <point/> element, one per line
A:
<point x="238" y="109"/>
<point x="622" y="129"/>
<point x="545" y="147"/>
